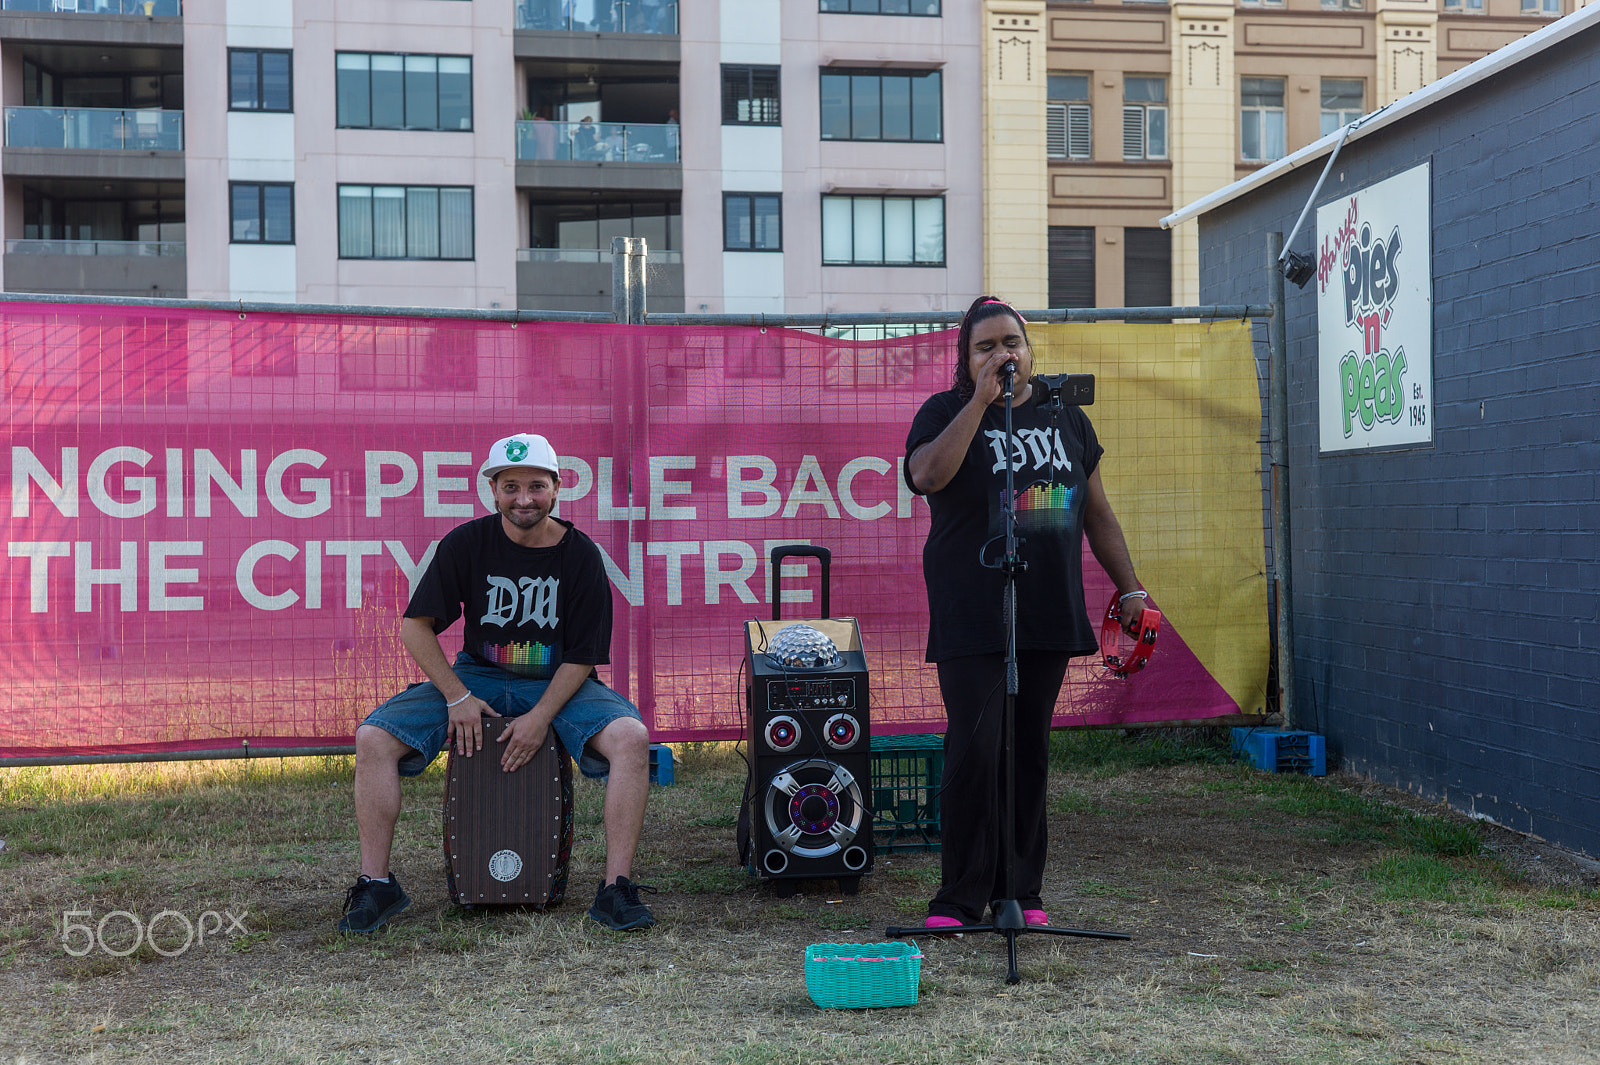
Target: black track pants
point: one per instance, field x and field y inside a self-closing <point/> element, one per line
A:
<point x="972" y="802"/>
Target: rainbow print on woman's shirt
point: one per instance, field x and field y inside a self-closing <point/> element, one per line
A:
<point x="1046" y="505"/>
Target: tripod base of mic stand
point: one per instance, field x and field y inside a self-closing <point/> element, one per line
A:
<point x="1008" y="922"/>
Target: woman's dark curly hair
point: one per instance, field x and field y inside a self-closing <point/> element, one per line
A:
<point x="982" y="309"/>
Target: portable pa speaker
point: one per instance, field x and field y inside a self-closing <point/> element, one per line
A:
<point x="809" y="797"/>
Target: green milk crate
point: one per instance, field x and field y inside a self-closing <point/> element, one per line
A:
<point x="906" y="771"/>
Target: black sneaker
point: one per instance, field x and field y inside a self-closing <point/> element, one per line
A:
<point x="617" y="906"/>
<point x="371" y="902"/>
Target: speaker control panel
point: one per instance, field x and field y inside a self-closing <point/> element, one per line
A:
<point x="834" y="693"/>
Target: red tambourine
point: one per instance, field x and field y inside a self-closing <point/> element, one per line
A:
<point x="1119" y="661"/>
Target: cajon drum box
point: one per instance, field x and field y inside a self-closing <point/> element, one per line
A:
<point x="508" y="836"/>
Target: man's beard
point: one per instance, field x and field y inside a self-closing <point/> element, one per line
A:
<point x="524" y="518"/>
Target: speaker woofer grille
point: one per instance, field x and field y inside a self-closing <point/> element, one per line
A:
<point x="814" y="808"/>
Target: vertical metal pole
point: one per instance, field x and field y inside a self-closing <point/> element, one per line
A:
<point x="639" y="385"/>
<point x="627" y="280"/>
<point x="619" y="279"/>
<point x="1278" y="431"/>
<point x="636" y="661"/>
<point x="637" y="252"/>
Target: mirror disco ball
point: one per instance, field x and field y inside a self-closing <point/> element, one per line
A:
<point x="803" y="647"/>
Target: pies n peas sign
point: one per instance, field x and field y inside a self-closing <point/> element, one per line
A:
<point x="1375" y="316"/>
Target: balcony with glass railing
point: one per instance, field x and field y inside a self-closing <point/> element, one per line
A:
<point x="147" y="8"/>
<point x="598" y="16"/>
<point x="579" y="278"/>
<point x="98" y="267"/>
<point x="141" y="248"/>
<point x="591" y="256"/>
<point x="598" y="142"/>
<point x="94" y="128"/>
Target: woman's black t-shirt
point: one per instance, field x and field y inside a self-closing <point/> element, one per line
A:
<point x="1051" y="467"/>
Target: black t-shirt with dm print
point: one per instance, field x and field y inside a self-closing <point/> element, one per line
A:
<point x="1051" y="467"/>
<point x="527" y="609"/>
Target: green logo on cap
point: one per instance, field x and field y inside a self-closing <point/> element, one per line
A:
<point x="516" y="450"/>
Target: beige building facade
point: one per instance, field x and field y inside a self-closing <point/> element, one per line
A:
<point x="1149" y="106"/>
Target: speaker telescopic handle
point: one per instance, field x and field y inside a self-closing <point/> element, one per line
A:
<point x="783" y="551"/>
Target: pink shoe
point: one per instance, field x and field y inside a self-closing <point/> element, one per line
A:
<point x="936" y="926"/>
<point x="1035" y="917"/>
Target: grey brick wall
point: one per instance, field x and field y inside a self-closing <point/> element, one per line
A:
<point x="1447" y="599"/>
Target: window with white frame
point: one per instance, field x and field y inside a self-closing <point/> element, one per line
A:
<point x="1353" y="5"/>
<point x="1459" y="7"/>
<point x="1067" y="117"/>
<point x="883" y="230"/>
<point x="1144" y="117"/>
<point x="1341" y="102"/>
<point x="1262" y="130"/>
<point x="405" y="222"/>
<point x="1551" y="8"/>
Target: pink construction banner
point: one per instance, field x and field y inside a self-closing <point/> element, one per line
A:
<point x="215" y="518"/>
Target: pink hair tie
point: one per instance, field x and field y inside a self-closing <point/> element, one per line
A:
<point x="1008" y="307"/>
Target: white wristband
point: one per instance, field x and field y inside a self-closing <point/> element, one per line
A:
<point x="458" y="702"/>
<point x="1142" y="594"/>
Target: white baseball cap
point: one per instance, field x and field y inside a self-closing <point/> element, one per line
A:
<point x="523" y="449"/>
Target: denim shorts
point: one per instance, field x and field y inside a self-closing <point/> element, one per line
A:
<point x="417" y="716"/>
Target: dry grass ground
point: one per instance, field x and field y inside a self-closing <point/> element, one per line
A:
<point x="1274" y="919"/>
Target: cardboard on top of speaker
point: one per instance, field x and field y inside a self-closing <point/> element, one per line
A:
<point x="844" y="632"/>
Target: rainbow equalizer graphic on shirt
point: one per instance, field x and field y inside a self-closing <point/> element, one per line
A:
<point x="527" y="659"/>
<point x="1046" y="506"/>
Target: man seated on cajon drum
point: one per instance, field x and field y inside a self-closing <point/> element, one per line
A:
<point x="537" y="606"/>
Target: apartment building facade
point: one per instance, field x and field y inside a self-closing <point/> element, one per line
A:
<point x="800" y="156"/>
<point x="1150" y="106"/>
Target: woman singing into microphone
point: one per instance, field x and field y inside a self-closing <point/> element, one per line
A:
<point x="955" y="455"/>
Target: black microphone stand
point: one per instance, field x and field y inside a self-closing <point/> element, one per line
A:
<point x="1006" y="912"/>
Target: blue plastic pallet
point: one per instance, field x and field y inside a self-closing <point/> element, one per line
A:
<point x="1281" y="751"/>
<point x="661" y="764"/>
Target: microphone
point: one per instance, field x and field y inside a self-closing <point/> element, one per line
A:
<point x="1009" y="368"/>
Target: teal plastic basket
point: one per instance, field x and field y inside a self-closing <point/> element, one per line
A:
<point x="863" y="976"/>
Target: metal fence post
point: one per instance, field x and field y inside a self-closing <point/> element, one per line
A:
<point x="1278" y="433"/>
<point x="627" y="279"/>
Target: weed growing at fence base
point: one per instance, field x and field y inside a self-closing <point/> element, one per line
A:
<point x="1276" y="918"/>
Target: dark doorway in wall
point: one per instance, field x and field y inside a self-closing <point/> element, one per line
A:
<point x="1147" y="267"/>
<point x="1072" y="266"/>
